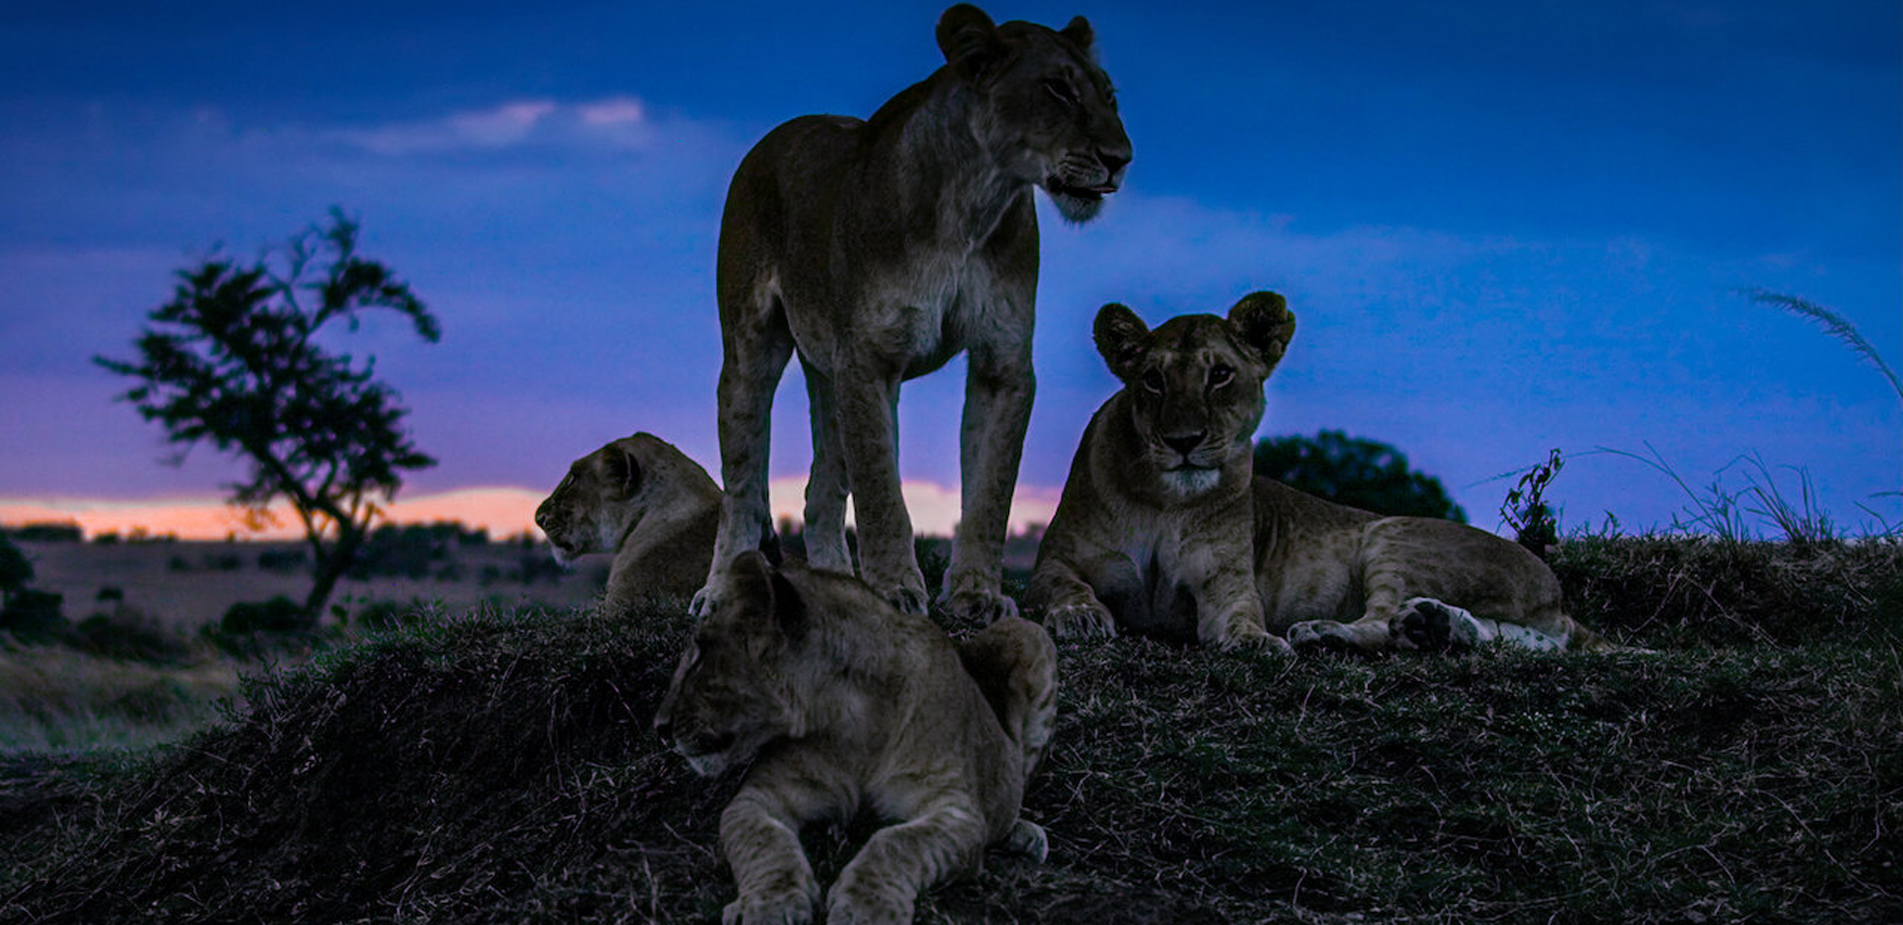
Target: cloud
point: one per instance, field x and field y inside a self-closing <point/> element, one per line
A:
<point x="614" y="123"/>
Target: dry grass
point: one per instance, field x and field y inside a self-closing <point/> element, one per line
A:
<point x="500" y="768"/>
<point x="55" y="699"/>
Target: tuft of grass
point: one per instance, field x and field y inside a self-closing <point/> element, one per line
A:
<point x="1677" y="591"/>
<point x="501" y="768"/>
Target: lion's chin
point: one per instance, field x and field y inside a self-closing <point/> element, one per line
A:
<point x="1190" y="481"/>
<point x="563" y="557"/>
<point x="1077" y="204"/>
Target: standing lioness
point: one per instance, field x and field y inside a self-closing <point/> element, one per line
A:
<point x="1163" y="529"/>
<point x="880" y="249"/>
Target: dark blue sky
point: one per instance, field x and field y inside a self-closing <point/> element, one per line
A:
<point x="1505" y="226"/>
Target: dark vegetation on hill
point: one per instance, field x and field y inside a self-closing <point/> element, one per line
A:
<point x="501" y="768"/>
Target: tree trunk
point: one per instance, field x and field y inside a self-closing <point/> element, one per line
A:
<point x="329" y="567"/>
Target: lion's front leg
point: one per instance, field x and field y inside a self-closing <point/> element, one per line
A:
<point x="881" y="885"/>
<point x="868" y="403"/>
<point x="760" y="835"/>
<point x="998" y="396"/>
<point x="1062" y="596"/>
<point x="1229" y="613"/>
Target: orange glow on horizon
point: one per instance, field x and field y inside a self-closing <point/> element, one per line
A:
<point x="502" y="511"/>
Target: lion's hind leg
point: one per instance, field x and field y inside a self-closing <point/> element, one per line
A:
<point x="826" y="489"/>
<point x="757" y="345"/>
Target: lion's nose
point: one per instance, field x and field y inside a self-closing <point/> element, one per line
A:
<point x="1185" y="444"/>
<point x="1114" y="162"/>
<point x="664" y="727"/>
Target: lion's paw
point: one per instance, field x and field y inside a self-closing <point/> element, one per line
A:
<point x="1320" y="634"/>
<point x="906" y="599"/>
<point x="1432" y="626"/>
<point x="854" y="901"/>
<point x="1027" y="838"/>
<point x="1080" y="621"/>
<point x="1258" y="641"/>
<point x="983" y="607"/>
<point x="792" y="909"/>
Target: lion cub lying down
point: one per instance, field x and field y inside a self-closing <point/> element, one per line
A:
<point x="644" y="501"/>
<point x="845" y="704"/>
<point x="1163" y="528"/>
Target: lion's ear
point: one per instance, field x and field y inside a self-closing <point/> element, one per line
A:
<point x="789" y="608"/>
<point x="1265" y="323"/>
<point x="970" y="41"/>
<point x="762" y="589"/>
<point x="1120" y="335"/>
<point x="624" y="473"/>
<point x="1080" y="34"/>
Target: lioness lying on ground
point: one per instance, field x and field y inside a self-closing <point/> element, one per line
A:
<point x="880" y="249"/>
<point x="851" y="706"/>
<point x="1163" y="529"/>
<point x="644" y="501"/>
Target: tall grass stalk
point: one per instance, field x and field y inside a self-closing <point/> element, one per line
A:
<point x="1716" y="511"/>
<point x="1833" y="324"/>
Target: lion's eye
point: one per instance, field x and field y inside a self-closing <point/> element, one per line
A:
<point x="1062" y="90"/>
<point x="1220" y="376"/>
<point x="1153" y="381"/>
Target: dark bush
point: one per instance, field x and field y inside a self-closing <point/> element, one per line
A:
<point x="283" y="561"/>
<point x="34" y="616"/>
<point x="129" y="635"/>
<point x="62" y="532"/>
<point x="280" y="614"/>
<point x="15" y="569"/>
<point x="223" y="562"/>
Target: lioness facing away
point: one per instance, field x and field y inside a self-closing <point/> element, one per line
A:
<point x="880" y="249"/>
<point x="1163" y="528"/>
<point x="644" y="501"/>
<point x="845" y="705"/>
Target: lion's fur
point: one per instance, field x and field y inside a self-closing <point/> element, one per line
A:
<point x="643" y="500"/>
<point x="877" y="250"/>
<point x="1242" y="557"/>
<point x="843" y="705"/>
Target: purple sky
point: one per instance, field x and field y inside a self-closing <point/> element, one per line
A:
<point x="1505" y="226"/>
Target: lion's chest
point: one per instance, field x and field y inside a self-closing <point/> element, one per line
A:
<point x="939" y="309"/>
<point x="1168" y="557"/>
<point x="911" y="316"/>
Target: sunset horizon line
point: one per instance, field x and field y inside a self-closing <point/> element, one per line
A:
<point x="501" y="510"/>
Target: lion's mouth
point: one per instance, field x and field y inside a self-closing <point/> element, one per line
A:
<point x="1086" y="193"/>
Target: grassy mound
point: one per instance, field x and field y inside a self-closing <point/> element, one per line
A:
<point x="502" y="769"/>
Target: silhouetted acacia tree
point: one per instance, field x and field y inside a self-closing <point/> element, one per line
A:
<point x="1357" y="472"/>
<point x="232" y="360"/>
